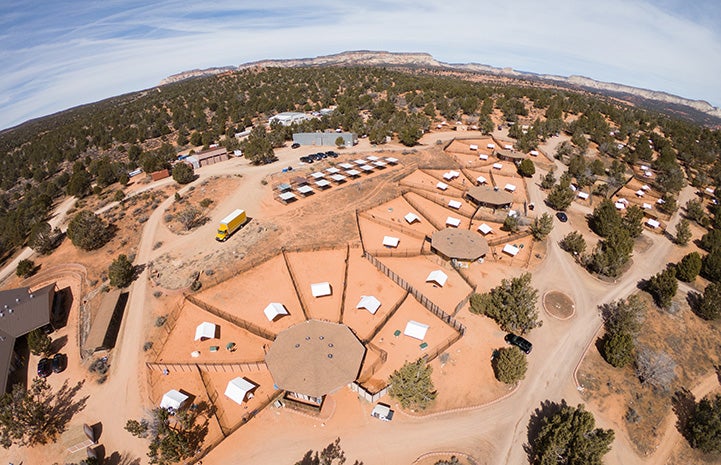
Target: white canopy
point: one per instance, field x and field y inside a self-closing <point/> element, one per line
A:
<point x="620" y="205"/>
<point x="367" y="168"/>
<point x="438" y="277"/>
<point x="379" y="164"/>
<point x="390" y="241"/>
<point x="274" y="310"/>
<point x="455" y="222"/>
<point x="359" y="162"/>
<point x="483" y="156"/>
<point x="510" y="187"/>
<point x="491" y="146"/>
<point x="346" y="166"/>
<point x="320" y="289"/>
<point x="473" y="147"/>
<point x="337" y="177"/>
<point x="238" y="388"/>
<point x="508" y="147"/>
<point x="205" y="330"/>
<point x="392" y="160"/>
<point x="511" y="250"/>
<point x="645" y="187"/>
<point x="534" y="153"/>
<point x="583" y="195"/>
<point x="333" y="170"/>
<point x="411" y="217"/>
<point x="448" y="176"/>
<point x="653" y="223"/>
<point x="484" y="228"/>
<point x="647" y="206"/>
<point x="481" y="180"/>
<point x="353" y="173"/>
<point x="370" y="303"/>
<point x="322" y="183"/>
<point x="416" y="330"/>
<point x="455" y="204"/>
<point x="644" y="168"/>
<point x="710" y="190"/>
<point x="372" y="158"/>
<point x="442" y="186"/>
<point x="173" y="399"/>
<point x="287" y="196"/>
<point x="305" y="190"/>
<point x="317" y="175"/>
<point x="640" y="193"/>
<point x="498" y="166"/>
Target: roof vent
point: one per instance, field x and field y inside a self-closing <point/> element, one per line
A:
<point x="10" y="310"/>
<point x="17" y="299"/>
<point x="32" y="295"/>
<point x="6" y="305"/>
<point x="2" y="314"/>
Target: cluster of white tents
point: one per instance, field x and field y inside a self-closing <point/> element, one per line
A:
<point x="238" y="390"/>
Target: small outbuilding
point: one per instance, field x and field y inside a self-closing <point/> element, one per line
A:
<point x="173" y="400"/>
<point x="438" y="277"/>
<point x="390" y="241"/>
<point x="653" y="223"/>
<point x="205" y="331"/>
<point x="239" y="390"/>
<point x="511" y="250"/>
<point x="370" y="303"/>
<point x="441" y="185"/>
<point x="321" y="289"/>
<point x="455" y="204"/>
<point x="451" y="221"/>
<point x="485" y="229"/>
<point x="416" y="330"/>
<point x="411" y="218"/>
<point x="274" y="311"/>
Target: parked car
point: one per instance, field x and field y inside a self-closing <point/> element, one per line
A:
<point x="522" y="343"/>
<point x="60" y="362"/>
<point x="295" y="145"/>
<point x="332" y="154"/>
<point x="562" y="217"/>
<point x="44" y="367"/>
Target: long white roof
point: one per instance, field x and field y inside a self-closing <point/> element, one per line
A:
<point x="370" y="303"/>
<point x="438" y="277"/>
<point x="416" y="330"/>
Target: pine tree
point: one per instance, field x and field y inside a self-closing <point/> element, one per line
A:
<point x="412" y="386"/>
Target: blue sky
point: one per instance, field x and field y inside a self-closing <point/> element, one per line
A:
<point x="62" y="53"/>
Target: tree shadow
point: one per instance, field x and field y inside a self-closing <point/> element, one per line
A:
<point x="535" y="423"/>
<point x="64" y="404"/>
<point x="694" y="300"/>
<point x="116" y="458"/>
<point x="684" y="406"/>
<point x="58" y="343"/>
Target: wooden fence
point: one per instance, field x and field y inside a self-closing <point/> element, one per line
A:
<point x="419" y="296"/>
<point x="220" y="367"/>
<point x="247" y="325"/>
<point x="363" y="393"/>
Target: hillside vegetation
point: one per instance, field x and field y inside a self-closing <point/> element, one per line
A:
<point x="85" y="150"/>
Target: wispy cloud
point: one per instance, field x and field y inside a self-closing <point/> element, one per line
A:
<point x="64" y="53"/>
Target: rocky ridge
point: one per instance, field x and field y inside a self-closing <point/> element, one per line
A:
<point x="425" y="60"/>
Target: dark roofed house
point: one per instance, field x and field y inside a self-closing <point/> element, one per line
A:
<point x="21" y="311"/>
<point x="510" y="155"/>
<point x="458" y="244"/>
<point x="489" y="197"/>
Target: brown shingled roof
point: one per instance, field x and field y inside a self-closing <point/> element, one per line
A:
<point x="460" y="244"/>
<point x="490" y="196"/>
<point x="315" y="358"/>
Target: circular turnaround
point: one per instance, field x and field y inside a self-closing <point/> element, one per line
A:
<point x="559" y="305"/>
<point x="315" y="358"/>
<point x="460" y="244"/>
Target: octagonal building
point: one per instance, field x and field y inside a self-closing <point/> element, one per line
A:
<point x="315" y="358"/>
<point x="458" y="244"/>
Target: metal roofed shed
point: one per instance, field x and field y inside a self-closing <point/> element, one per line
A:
<point x="390" y="241"/>
<point x="282" y="187"/>
<point x="321" y="289"/>
<point x="106" y="324"/>
<point x="305" y="190"/>
<point x="511" y="250"/>
<point x="173" y="399"/>
<point x="483" y="156"/>
<point x="653" y="223"/>
<point x="323" y="183"/>
<point x="510" y="187"/>
<point x="315" y="358"/>
<point x="491" y="146"/>
<point x="239" y="389"/>
<point x="498" y="166"/>
<point x="583" y="195"/>
<point x="416" y="330"/>
<point x="455" y="204"/>
<point x="473" y="147"/>
<point x="451" y="221"/>
<point x="485" y="229"/>
<point x="287" y="197"/>
<point x="205" y="331"/>
<point x="438" y="277"/>
<point x="459" y="244"/>
<point x="274" y="311"/>
<point x="411" y="217"/>
<point x="481" y="180"/>
<point x="370" y="303"/>
<point x="442" y="186"/>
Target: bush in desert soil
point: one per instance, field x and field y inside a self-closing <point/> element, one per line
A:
<point x="25" y="268"/>
<point x="87" y="231"/>
<point x="412" y="386"/>
<point x="710" y="306"/>
<point x="121" y="271"/>
<point x="183" y="173"/>
<point x="703" y="430"/>
<point x="689" y="267"/>
<point x="512" y="304"/>
<point x="509" y="365"/>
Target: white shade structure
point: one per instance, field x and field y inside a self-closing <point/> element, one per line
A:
<point x="491" y="146"/>
<point x="481" y="180"/>
<point x="647" y="188"/>
<point x="359" y="162"/>
<point x="534" y="153"/>
<point x="442" y="186"/>
<point x="392" y="160"/>
<point x="346" y="166"/>
<point x="238" y="389"/>
<point x="285" y="196"/>
<point x="411" y="217"/>
<point x="317" y="175"/>
<point x="455" y="204"/>
<point x="370" y="303"/>
<point x="438" y="277"/>
<point x="497" y="166"/>
<point x="305" y="190"/>
<point x="372" y="158"/>
<point x="320" y="289"/>
<point x="583" y="195"/>
<point x="337" y="177"/>
<point x="205" y="330"/>
<point x="473" y="147"/>
<point x="653" y="223"/>
<point x="508" y="147"/>
<point x="332" y="170"/>
<point x="275" y="310"/>
<point x="322" y="183"/>
<point x="620" y="205"/>
<point x="640" y="193"/>
<point x="647" y="206"/>
<point x="485" y="229"/>
<point x="483" y="156"/>
<point x="455" y="222"/>
<point x="173" y="399"/>
<point x="390" y="241"/>
<point x="416" y="330"/>
<point x="511" y="250"/>
<point x="510" y="187"/>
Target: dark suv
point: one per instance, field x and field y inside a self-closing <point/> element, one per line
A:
<point x="519" y="342"/>
<point x="59" y="363"/>
<point x="44" y="367"/>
